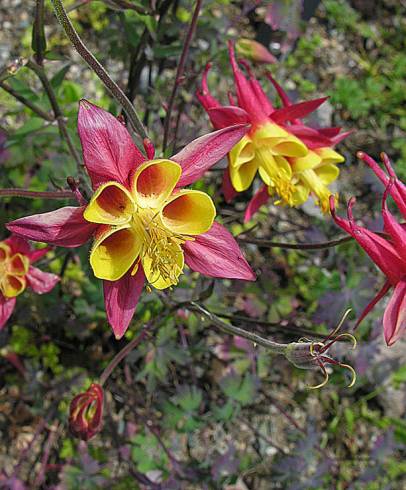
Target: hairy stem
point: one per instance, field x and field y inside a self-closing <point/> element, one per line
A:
<point x="100" y="71"/>
<point x="180" y="70"/>
<point x="26" y="102"/>
<point x="275" y="347"/>
<point x="14" y="192"/>
<point x="123" y="353"/>
<point x="295" y="246"/>
<point x="40" y="72"/>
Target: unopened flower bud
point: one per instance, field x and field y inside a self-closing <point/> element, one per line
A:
<point x="86" y="412"/>
<point x="254" y="51"/>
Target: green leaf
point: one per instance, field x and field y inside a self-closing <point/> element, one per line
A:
<point x="57" y="79"/>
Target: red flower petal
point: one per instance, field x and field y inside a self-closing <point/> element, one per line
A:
<point x="109" y="152"/>
<point x="65" y="227"/>
<point x="296" y="111"/>
<point x="227" y="187"/>
<point x="202" y="153"/>
<point x="6" y="309"/>
<point x="41" y="282"/>
<point x="121" y="298"/>
<point x="222" y="117"/>
<point x="18" y="245"/>
<point x="217" y="254"/>
<point x="260" y="197"/>
<point x="394" y="318"/>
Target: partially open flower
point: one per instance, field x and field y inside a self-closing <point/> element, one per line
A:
<point x="305" y="354"/>
<point x="255" y="51"/>
<point x="86" y="412"/>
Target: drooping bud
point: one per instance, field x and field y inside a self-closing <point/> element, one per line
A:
<point x="254" y="51"/>
<point x="86" y="412"/>
<point x="305" y="354"/>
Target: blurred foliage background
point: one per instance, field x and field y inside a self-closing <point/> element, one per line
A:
<point x="191" y="408"/>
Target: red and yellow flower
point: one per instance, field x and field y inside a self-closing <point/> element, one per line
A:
<point x="16" y="273"/>
<point x="145" y="226"/>
<point x="293" y="160"/>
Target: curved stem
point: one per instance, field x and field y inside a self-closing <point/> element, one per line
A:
<point x="14" y="192"/>
<point x="296" y="246"/>
<point x="180" y="70"/>
<point x="40" y="112"/>
<point x="100" y="71"/>
<point x="275" y="347"/>
<point x="123" y="353"/>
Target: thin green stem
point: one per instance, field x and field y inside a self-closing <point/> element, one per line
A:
<point x="40" y="72"/>
<point x="38" y="33"/>
<point x="37" y="110"/>
<point x="100" y="71"/>
<point x="295" y="246"/>
<point x="275" y="347"/>
<point x="36" y="195"/>
<point x="123" y="353"/>
<point x="180" y="70"/>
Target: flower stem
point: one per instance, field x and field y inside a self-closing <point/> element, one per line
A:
<point x="100" y="71"/>
<point x="275" y="347"/>
<point x="40" y="72"/>
<point x="123" y="353"/>
<point x="296" y="246"/>
<point x="14" y="192"/>
<point x="38" y="111"/>
<point x="180" y="70"/>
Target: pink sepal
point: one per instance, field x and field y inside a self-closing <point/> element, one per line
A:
<point x="217" y="254"/>
<point x="121" y="298"/>
<point x="109" y="152"/>
<point x="41" y="282"/>
<point x="35" y="255"/>
<point x="202" y="153"/>
<point x="6" y="309"/>
<point x="223" y="117"/>
<point x="394" y="318"/>
<point x="296" y="111"/>
<point x="227" y="187"/>
<point x="259" y="198"/>
<point x="311" y="137"/>
<point x="381" y="293"/>
<point x="18" y="245"/>
<point x="65" y="227"/>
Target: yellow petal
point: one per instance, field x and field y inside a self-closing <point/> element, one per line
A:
<point x="327" y="173"/>
<point x="272" y="168"/>
<point x="114" y="252"/>
<point x="328" y="155"/>
<point x="4" y="251"/>
<point x="311" y="160"/>
<point x="154" y="182"/>
<point x="163" y="272"/>
<point x="111" y="204"/>
<point x="189" y="213"/>
<point x="242" y="153"/>
<point x="18" y="265"/>
<point x="241" y="177"/>
<point x="280" y="141"/>
<point x="300" y="195"/>
<point x="12" y="286"/>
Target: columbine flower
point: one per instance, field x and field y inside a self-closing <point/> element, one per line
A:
<point x="145" y="226"/>
<point x="305" y="354"/>
<point x="16" y="273"/>
<point x="292" y="159"/>
<point x="388" y="254"/>
<point x="86" y="413"/>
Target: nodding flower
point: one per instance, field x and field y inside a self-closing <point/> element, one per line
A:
<point x="306" y="354"/>
<point x="387" y="252"/>
<point x="86" y="413"/>
<point x="293" y="160"/>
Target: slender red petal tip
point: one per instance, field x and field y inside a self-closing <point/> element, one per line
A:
<point x="360" y="155"/>
<point x="149" y="148"/>
<point x="332" y="205"/>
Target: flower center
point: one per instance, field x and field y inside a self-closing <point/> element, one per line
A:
<point x="161" y="249"/>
